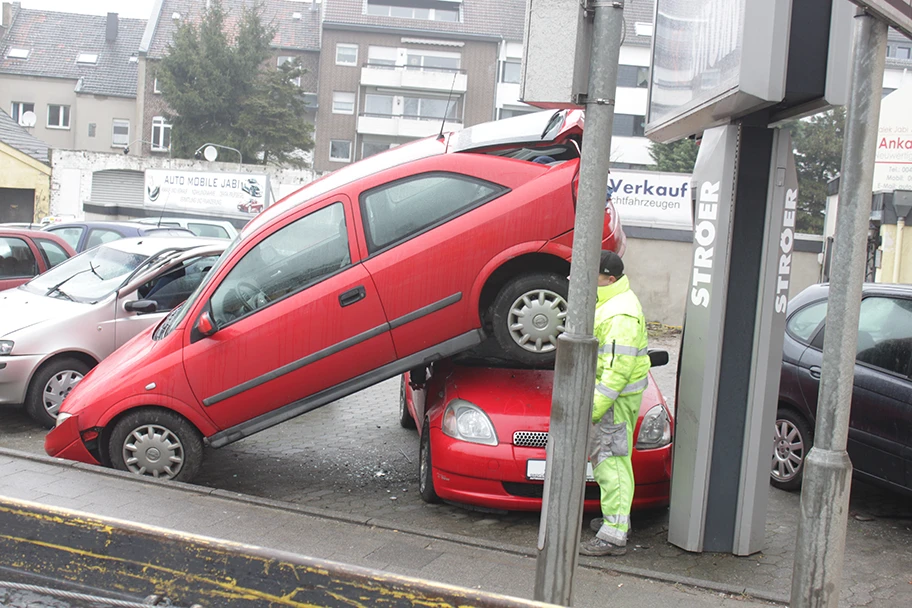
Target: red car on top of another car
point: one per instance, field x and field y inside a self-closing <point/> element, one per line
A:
<point x="483" y="432"/>
<point x="393" y="262"/>
<point x="25" y="254"/>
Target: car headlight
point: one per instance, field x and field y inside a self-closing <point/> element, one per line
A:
<point x="6" y="347"/>
<point x="61" y="416"/>
<point x="655" y="431"/>
<point x="467" y="422"/>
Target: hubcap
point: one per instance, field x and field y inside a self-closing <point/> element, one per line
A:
<point x="536" y="320"/>
<point x="57" y="388"/>
<point x="153" y="450"/>
<point x="788" y="453"/>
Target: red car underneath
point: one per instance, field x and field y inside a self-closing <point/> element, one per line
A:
<point x="507" y="412"/>
<point x="25" y="254"/>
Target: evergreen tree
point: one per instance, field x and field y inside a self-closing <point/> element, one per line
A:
<point x="220" y="89"/>
<point x="676" y="157"/>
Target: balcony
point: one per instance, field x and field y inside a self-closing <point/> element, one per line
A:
<point x="403" y="126"/>
<point x="414" y="77"/>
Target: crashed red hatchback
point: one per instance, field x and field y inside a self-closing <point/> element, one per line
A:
<point x="393" y="262"/>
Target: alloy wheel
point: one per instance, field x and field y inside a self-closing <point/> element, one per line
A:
<point x="789" y="451"/>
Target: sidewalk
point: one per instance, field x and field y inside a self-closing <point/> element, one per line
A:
<point x="366" y="542"/>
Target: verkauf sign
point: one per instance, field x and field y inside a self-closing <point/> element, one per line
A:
<point x="214" y="193"/>
<point x="893" y="155"/>
<point x="652" y="199"/>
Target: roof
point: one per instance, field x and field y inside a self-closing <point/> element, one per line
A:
<point x="638" y="11"/>
<point x="54" y="40"/>
<point x="17" y="137"/>
<point x="491" y="18"/>
<point x="297" y="27"/>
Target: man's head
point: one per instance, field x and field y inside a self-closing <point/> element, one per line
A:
<point x="611" y="268"/>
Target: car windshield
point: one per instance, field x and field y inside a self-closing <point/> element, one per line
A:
<point x="88" y="277"/>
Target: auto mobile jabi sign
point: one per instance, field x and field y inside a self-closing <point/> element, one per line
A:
<point x="652" y="199"/>
<point x="202" y="192"/>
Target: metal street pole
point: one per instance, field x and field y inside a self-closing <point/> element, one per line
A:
<point x="574" y="371"/>
<point x="817" y="570"/>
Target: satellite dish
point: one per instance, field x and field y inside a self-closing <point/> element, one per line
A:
<point x="28" y="119"/>
<point x="210" y="153"/>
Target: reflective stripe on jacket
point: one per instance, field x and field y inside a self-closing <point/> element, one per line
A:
<point x="623" y="361"/>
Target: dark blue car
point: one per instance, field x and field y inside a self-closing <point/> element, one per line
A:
<point x="85" y="235"/>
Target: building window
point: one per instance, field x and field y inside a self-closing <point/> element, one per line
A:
<point x="378" y="105"/>
<point x="18" y="110"/>
<point x="633" y="76"/>
<point x="87" y="58"/>
<point x="58" y="117"/>
<point x="340" y="150"/>
<point x="511" y="112"/>
<point x="429" y="108"/>
<point x="436" y="10"/>
<point x="382" y="55"/>
<point x="903" y="52"/>
<point x="282" y="60"/>
<point x="14" y="53"/>
<point x="369" y="148"/>
<point x="120" y="133"/>
<point x="433" y="61"/>
<point x="346" y="54"/>
<point x="628" y="125"/>
<point x="343" y="103"/>
<point x="511" y="72"/>
<point x="155" y="88"/>
<point x="161" y="134"/>
<point x="91" y="129"/>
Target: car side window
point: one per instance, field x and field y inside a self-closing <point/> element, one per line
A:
<point x="208" y="230"/>
<point x="53" y="253"/>
<point x="885" y="334"/>
<point x="398" y="210"/>
<point x="287" y="261"/>
<point x="803" y="324"/>
<point x="100" y="236"/>
<point x="16" y="259"/>
<point x="173" y="287"/>
<point x="70" y="235"/>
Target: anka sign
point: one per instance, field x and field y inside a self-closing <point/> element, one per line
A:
<point x="893" y="155"/>
<point x="210" y="193"/>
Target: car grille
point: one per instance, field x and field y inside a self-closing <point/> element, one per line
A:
<point x="530" y="439"/>
<point x="536" y="490"/>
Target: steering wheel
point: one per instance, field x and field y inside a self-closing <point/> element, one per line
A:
<point x="250" y="296"/>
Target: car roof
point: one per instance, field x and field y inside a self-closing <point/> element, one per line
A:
<point x="149" y="246"/>
<point x="155" y="220"/>
<point x="820" y="291"/>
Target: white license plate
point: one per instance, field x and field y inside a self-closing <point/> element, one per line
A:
<point x="535" y="470"/>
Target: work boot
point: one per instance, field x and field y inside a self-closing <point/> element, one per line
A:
<point x="598" y="548"/>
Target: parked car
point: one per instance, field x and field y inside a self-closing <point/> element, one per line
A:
<point x="25" y="253"/>
<point x="483" y="432"/>
<point x="880" y="422"/>
<point x="406" y="257"/>
<point x="217" y="229"/>
<point x="59" y="325"/>
<point x="85" y="235"/>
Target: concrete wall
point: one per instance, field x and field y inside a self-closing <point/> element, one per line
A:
<point x="660" y="271"/>
<point x="84" y="110"/>
<point x="18" y="170"/>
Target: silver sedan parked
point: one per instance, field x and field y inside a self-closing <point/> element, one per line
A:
<point x="59" y="325"/>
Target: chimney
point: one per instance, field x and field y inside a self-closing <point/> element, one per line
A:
<point x="111" y="29"/>
<point x="7" y="14"/>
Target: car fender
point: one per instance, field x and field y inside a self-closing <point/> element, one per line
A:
<point x="200" y="421"/>
<point x="558" y="250"/>
<point x="63" y="352"/>
<point x="496" y="262"/>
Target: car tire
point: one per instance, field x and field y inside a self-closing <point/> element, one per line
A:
<point x="405" y="417"/>
<point x="528" y="315"/>
<point x="425" y="468"/>
<point x="791" y="443"/>
<point x="156" y="443"/>
<point x="49" y="387"/>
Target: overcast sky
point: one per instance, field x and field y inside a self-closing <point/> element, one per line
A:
<point x="139" y="9"/>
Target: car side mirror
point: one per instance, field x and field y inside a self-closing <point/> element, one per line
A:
<point x="658" y="357"/>
<point x="205" y="326"/>
<point x="141" y="306"/>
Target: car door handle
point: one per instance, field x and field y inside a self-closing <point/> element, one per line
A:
<point x="352" y="295"/>
<point x="814" y="371"/>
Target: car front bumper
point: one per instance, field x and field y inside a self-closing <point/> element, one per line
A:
<point x="65" y="441"/>
<point x="15" y="371"/>
<point x="494" y="477"/>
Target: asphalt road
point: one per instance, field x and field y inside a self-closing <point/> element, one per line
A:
<point x="353" y="457"/>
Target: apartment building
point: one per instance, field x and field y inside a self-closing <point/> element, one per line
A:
<point x="898" y="67"/>
<point x="70" y="79"/>
<point x="297" y="25"/>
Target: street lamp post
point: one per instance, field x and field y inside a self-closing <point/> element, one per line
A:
<point x="209" y="152"/>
